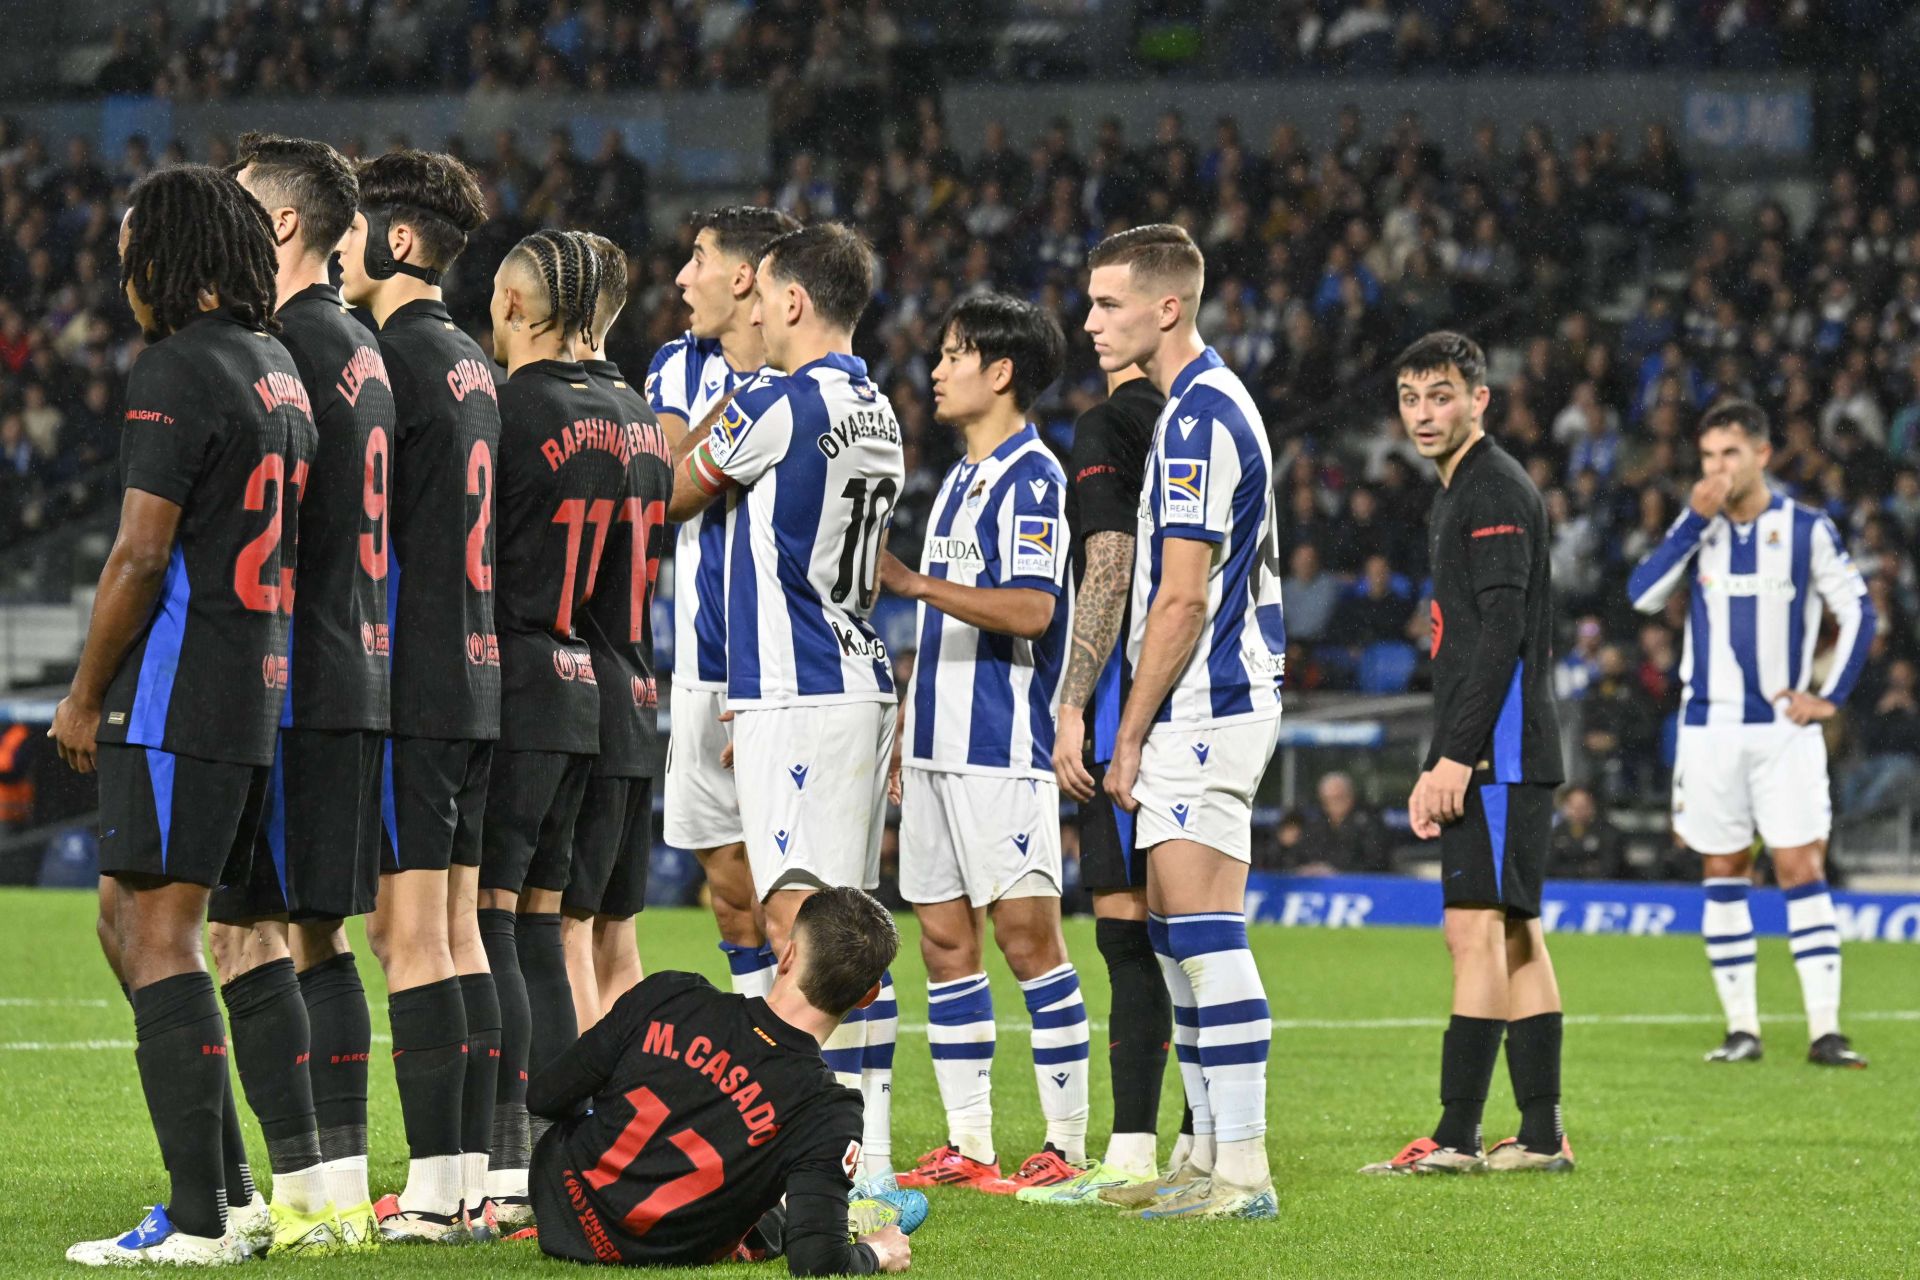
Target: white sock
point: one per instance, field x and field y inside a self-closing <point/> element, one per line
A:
<point x="1060" y="1057"/>
<point x="882" y="1024"/>
<point x="473" y="1178"/>
<point x="506" y="1184"/>
<point x="1727" y="926"/>
<point x="1235" y="1032"/>
<point x="302" y="1190"/>
<point x="752" y="968"/>
<point x="433" y="1186"/>
<point x="1816" y="955"/>
<point x="960" y="1035"/>
<point x="1242" y="1163"/>
<point x="1182" y="1152"/>
<point x="347" y="1182"/>
<point x="1186" y="1043"/>
<point x="1132" y="1153"/>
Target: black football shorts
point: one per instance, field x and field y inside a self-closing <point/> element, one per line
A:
<point x="177" y="817"/>
<point x="1108" y="860"/>
<point x="612" y="845"/>
<point x="318" y="853"/>
<point x="433" y="800"/>
<point x="533" y="800"/>
<point x="1496" y="855"/>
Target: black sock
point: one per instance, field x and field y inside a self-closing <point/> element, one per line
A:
<point x="509" y="1146"/>
<point x="1533" y="1064"/>
<point x="429" y="1064"/>
<point x="1468" y="1053"/>
<point x="342" y="1033"/>
<point x="1186" y="1121"/>
<point x="236" y="1173"/>
<point x="483" y="1061"/>
<point x="1139" y="1022"/>
<point x="543" y="965"/>
<point x="182" y="1057"/>
<point x="271" y="1046"/>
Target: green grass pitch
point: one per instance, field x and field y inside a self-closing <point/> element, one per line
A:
<point x="1775" y="1169"/>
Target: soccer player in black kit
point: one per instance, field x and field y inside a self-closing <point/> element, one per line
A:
<point x="613" y="839"/>
<point x="1487" y="788"/>
<point x="416" y="210"/>
<point x="564" y="451"/>
<point x="301" y="1035"/>
<point x="685" y="1114"/>
<point x="181" y="679"/>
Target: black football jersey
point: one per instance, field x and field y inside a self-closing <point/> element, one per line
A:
<point x="218" y="423"/>
<point x="440" y="566"/>
<point x="563" y="477"/>
<point x="340" y="643"/>
<point x="1488" y="528"/>
<point x="1109" y="465"/>
<point x="619" y="619"/>
<point x="706" y="1108"/>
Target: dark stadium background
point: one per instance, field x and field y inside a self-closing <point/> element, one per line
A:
<point x="1637" y="206"/>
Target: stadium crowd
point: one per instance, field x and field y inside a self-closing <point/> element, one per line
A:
<point x="818" y="49"/>
<point x="1323" y="260"/>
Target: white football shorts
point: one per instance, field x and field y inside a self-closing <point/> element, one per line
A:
<point x="1731" y="780"/>
<point x="1197" y="783"/>
<point x="982" y="837"/>
<point x="813" y="793"/>
<point x="703" y="807"/>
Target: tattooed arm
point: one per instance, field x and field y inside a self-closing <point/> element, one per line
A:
<point x="1097" y="610"/>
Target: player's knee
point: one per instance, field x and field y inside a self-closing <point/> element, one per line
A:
<point x="228" y="943"/>
<point x="1031" y="953"/>
<point x="1799" y="866"/>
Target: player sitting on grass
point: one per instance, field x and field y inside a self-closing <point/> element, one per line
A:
<point x="683" y="1117"/>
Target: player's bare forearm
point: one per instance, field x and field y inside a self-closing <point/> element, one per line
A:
<point x="1097" y="610"/>
<point x="1174" y="624"/>
<point x="129" y="584"/>
<point x="674" y="428"/>
<point x="1025" y="612"/>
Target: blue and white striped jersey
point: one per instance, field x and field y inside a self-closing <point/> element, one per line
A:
<point x="1755" y="613"/>
<point x="687" y="377"/>
<point x="985" y="703"/>
<point x="818" y="454"/>
<point x="1210" y="477"/>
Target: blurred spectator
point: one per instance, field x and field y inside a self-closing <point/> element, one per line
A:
<point x="1585" y="846"/>
<point x="1376" y="611"/>
<point x="1340" y="839"/>
<point x="1581" y="665"/>
<point x="1618" y="728"/>
<point x="1309" y="595"/>
<point x="1887" y="774"/>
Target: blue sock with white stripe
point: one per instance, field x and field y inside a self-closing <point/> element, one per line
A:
<point x="751" y="967"/>
<point x="1816" y="954"/>
<point x="1235" y="1030"/>
<point x="960" y="1034"/>
<point x="876" y="1081"/>
<point x="1186" y="1043"/>
<point x="1727" y="925"/>
<point x="1060" y="1057"/>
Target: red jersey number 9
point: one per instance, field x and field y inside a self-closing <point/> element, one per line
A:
<point x="255" y="593"/>
<point x="373" y="501"/>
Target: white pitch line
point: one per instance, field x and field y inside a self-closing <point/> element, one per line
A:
<point x="1280" y="1024"/>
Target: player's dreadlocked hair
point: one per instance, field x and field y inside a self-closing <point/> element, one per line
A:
<point x="194" y="230"/>
<point x="613" y="281"/>
<point x="570" y="271"/>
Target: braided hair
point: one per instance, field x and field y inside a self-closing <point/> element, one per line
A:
<point x="194" y="230"/>
<point x="570" y="271"/>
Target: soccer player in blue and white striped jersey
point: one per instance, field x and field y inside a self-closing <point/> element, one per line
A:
<point x="1201" y="720"/>
<point x="720" y="352"/>
<point x="979" y="806"/>
<point x="815" y="450"/>
<point x="1751" y="755"/>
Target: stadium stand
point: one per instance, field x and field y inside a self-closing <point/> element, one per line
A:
<point x="1619" y="291"/>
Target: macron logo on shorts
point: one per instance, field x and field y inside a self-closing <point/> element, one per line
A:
<point x="1201" y="751"/>
<point x="799" y="775"/>
<point x="780" y="838"/>
<point x="1020" y="842"/>
<point x="1180" y="812"/>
